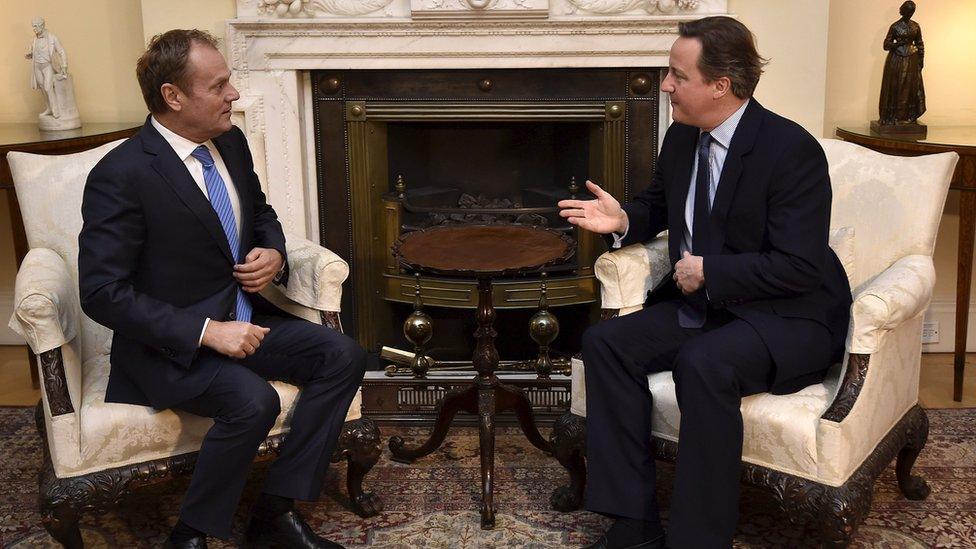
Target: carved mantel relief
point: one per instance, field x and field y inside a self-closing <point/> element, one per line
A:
<point x="322" y="8"/>
<point x="475" y="9"/>
<point x="621" y="7"/>
<point x="479" y="8"/>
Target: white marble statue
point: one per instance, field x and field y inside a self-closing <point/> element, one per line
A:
<point x="49" y="72"/>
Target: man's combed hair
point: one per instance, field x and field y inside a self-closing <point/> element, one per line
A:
<point x="728" y="49"/>
<point x="165" y="61"/>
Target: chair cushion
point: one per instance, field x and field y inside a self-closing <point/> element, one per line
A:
<point x="780" y="431"/>
<point x="113" y="434"/>
<point x="841" y="240"/>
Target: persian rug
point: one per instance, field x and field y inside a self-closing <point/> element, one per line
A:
<point x="434" y="502"/>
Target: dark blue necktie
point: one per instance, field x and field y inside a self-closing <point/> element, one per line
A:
<point x="694" y="311"/>
<point x="220" y="201"/>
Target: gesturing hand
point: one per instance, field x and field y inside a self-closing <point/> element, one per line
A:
<point x="259" y="269"/>
<point x="689" y="273"/>
<point x="234" y="339"/>
<point x="602" y="215"/>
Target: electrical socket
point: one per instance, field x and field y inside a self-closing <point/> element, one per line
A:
<point x="930" y="331"/>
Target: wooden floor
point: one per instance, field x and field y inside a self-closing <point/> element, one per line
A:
<point x="935" y="386"/>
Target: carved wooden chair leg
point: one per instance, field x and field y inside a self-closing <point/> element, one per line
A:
<point x="360" y="445"/>
<point x="913" y="487"/>
<point x="59" y="513"/>
<point x="61" y="521"/>
<point x="844" y="510"/>
<point x="569" y="446"/>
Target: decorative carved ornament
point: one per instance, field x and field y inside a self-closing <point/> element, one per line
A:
<point x="857" y="372"/>
<point x="55" y="383"/>
<point x="321" y="8"/>
<point x="460" y="9"/>
<point x="469" y="8"/>
<point x="611" y="7"/>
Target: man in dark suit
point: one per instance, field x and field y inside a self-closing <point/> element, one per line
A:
<point x="176" y="244"/>
<point x="756" y="302"/>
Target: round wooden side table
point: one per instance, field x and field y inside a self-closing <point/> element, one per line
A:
<point x="484" y="252"/>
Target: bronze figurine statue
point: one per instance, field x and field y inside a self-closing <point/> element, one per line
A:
<point x="902" y="93"/>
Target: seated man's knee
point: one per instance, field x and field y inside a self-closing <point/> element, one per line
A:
<point x="696" y="367"/>
<point x="259" y="405"/>
<point x="351" y="357"/>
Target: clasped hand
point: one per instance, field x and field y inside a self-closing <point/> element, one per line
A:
<point x="234" y="339"/>
<point x="241" y="339"/>
<point x="259" y="269"/>
<point x="689" y="273"/>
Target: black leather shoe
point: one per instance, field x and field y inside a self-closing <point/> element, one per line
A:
<point x="656" y="543"/>
<point x="285" y="531"/>
<point x="199" y="542"/>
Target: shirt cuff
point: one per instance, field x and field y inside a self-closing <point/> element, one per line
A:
<point x="618" y="238"/>
<point x="203" y="331"/>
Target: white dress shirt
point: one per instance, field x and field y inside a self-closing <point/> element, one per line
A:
<point x="717" y="151"/>
<point x="184" y="148"/>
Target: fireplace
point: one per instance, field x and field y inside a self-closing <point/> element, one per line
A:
<point x="400" y="150"/>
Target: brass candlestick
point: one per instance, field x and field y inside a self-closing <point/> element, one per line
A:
<point x="543" y="327"/>
<point x="418" y="329"/>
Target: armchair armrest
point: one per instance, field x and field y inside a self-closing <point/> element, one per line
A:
<point x="627" y="274"/>
<point x="47" y="314"/>
<point x="314" y="287"/>
<point x="900" y="292"/>
<point x="46" y="309"/>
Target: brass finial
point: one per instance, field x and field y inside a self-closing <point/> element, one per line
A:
<point x="573" y="187"/>
<point x="401" y="188"/>
<point x="543" y="327"/>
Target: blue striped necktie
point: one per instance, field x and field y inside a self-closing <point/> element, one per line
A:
<point x="220" y="201"/>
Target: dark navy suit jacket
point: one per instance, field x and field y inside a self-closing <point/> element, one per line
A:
<point x="154" y="262"/>
<point x="768" y="262"/>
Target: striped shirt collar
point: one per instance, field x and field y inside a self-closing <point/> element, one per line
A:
<point x="723" y="132"/>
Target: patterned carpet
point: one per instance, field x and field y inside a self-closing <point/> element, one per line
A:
<point x="434" y="502"/>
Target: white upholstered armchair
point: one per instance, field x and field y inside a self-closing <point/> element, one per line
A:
<point x="95" y="452"/>
<point x="821" y="449"/>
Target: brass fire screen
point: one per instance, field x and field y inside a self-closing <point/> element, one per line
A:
<point x="400" y="150"/>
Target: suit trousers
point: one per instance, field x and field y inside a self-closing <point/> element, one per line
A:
<point x="327" y="365"/>
<point x="713" y="368"/>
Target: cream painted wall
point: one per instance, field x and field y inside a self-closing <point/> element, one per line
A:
<point x="793" y="36"/>
<point x="102" y="40"/>
<point x="856" y="59"/>
<point x="159" y="16"/>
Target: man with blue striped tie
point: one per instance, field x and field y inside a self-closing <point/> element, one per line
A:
<point x="177" y="241"/>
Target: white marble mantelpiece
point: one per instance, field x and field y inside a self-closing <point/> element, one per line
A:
<point x="273" y="44"/>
